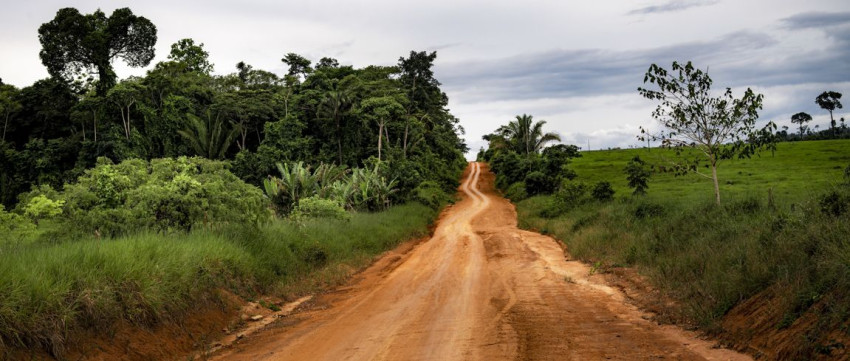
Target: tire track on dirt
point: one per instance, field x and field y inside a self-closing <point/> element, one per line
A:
<point x="479" y="289"/>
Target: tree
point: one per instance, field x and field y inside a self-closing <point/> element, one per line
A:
<point x="523" y="136"/>
<point x="801" y="118"/>
<point x="299" y="66"/>
<point x="194" y="57"/>
<point x="334" y="104"/>
<point x="208" y="138"/>
<point x="124" y="95"/>
<point x="90" y="103"/>
<point x="638" y="175"/>
<point x="829" y="100"/>
<point x="9" y="105"/>
<point x="73" y="43"/>
<point x="382" y="110"/>
<point x="721" y="127"/>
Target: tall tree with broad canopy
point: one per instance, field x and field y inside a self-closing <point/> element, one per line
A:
<point x="720" y="127"/>
<point x="193" y="56"/>
<point x="74" y="44"/>
<point x="801" y="118"/>
<point x="829" y="101"/>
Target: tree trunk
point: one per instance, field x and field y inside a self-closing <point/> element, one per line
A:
<point x="338" y="139"/>
<point x="404" y="142"/>
<point x="387" y="135"/>
<point x="716" y="184"/>
<point x="380" y="130"/>
<point x="94" y="116"/>
<point x="832" y="123"/>
<point x="5" y="124"/>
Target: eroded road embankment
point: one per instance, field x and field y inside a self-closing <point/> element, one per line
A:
<point x="479" y="289"/>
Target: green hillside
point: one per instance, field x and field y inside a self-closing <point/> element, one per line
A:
<point x="795" y="171"/>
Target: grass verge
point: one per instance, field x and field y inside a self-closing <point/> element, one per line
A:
<point x="48" y="291"/>
<point x="711" y="258"/>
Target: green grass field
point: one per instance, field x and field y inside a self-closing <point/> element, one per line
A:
<point x="711" y="258"/>
<point x="796" y="171"/>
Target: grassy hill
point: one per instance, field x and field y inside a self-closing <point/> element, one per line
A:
<point x="795" y="171"/>
<point x="771" y="277"/>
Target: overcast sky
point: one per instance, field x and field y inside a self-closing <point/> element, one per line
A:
<point x="575" y="64"/>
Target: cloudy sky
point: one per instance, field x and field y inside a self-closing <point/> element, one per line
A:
<point x="575" y="64"/>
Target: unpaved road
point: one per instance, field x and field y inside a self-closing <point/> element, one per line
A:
<point x="479" y="289"/>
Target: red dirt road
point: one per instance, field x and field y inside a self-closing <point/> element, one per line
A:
<point x="479" y="289"/>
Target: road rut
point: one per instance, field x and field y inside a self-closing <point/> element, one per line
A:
<point x="478" y="289"/>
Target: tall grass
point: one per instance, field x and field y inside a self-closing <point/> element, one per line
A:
<point x="711" y="258"/>
<point x="48" y="291"/>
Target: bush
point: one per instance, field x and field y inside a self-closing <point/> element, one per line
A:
<point x="315" y="207"/>
<point x="571" y="195"/>
<point x="41" y="207"/>
<point x="163" y="194"/>
<point x="516" y="192"/>
<point x="430" y="194"/>
<point x="538" y="183"/>
<point x="647" y="210"/>
<point x="638" y="175"/>
<point x="602" y="191"/>
<point x="15" y="229"/>
<point x="834" y="203"/>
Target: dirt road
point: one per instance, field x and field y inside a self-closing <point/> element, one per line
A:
<point x="479" y="289"/>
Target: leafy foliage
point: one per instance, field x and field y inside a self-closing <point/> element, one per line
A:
<point x="41" y="207"/>
<point x="721" y="127"/>
<point x="315" y="207"/>
<point x="73" y="43"/>
<point x="164" y="195"/>
<point x="829" y="101"/>
<point x="637" y="173"/>
<point x="801" y="118"/>
<point x="523" y="136"/>
<point x="602" y="191"/>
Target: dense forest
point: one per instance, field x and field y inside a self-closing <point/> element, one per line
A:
<point x="320" y="112"/>
<point x="184" y="182"/>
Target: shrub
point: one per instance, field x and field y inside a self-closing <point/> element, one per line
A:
<point x="647" y="210"/>
<point x="315" y="207"/>
<point x="163" y="194"/>
<point x="571" y="195"/>
<point x="516" y="192"/>
<point x="834" y="203"/>
<point x="41" y="207"/>
<point x="15" y="229"/>
<point x="602" y="191"/>
<point x="638" y="175"/>
<point x="430" y="194"/>
<point x="538" y="183"/>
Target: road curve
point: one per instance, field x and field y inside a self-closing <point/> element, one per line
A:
<point x="479" y="289"/>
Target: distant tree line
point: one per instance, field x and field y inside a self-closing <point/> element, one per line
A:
<point x="829" y="101"/>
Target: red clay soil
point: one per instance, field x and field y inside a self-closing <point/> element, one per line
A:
<point x="126" y="342"/>
<point x="479" y="289"/>
<point x="754" y="326"/>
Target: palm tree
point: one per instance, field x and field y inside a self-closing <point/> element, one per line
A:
<point x="333" y="107"/>
<point x="208" y="138"/>
<point x="523" y="136"/>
